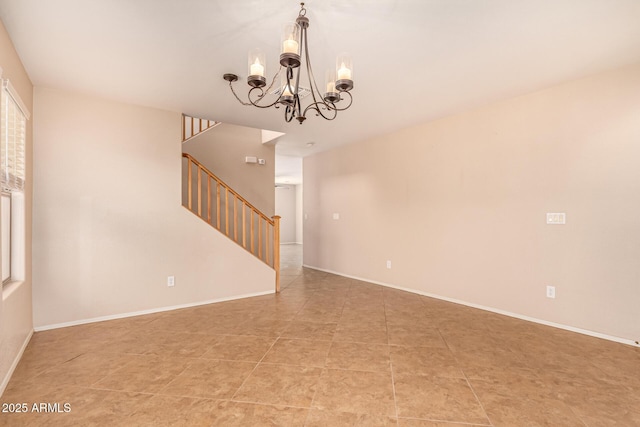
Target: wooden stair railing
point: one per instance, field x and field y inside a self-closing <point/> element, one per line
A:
<point x="250" y="228"/>
<point x="192" y="127"/>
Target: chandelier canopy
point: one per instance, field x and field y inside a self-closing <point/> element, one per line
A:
<point x="338" y="82"/>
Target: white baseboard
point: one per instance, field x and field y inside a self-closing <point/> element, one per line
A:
<point x="491" y="309"/>
<point x="150" y="311"/>
<point x="14" y="365"/>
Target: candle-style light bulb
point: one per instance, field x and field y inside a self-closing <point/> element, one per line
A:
<point x="344" y="73"/>
<point x="257" y="69"/>
<point x="290" y="46"/>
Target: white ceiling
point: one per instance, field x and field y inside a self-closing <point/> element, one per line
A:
<point x="414" y="60"/>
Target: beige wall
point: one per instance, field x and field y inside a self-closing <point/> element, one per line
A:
<point x="299" y="213"/>
<point x="458" y="205"/>
<point x="223" y="150"/>
<point x="108" y="223"/>
<point x="16" y="322"/>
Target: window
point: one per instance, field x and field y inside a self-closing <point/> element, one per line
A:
<point x="13" y="124"/>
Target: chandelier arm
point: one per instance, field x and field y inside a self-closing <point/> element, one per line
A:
<point x="261" y="96"/>
<point x="296" y="96"/>
<point x="267" y="90"/>
<point x="263" y="93"/>
<point x="237" y="97"/>
<point x="314" y="87"/>
<point x="291" y="106"/>
<point x="334" y="107"/>
<point x="289" y="113"/>
<point x="318" y="107"/>
<point x="312" y="83"/>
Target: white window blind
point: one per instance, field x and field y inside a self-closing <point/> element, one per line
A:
<point x="13" y="118"/>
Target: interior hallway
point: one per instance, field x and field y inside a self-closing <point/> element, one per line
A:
<point x="327" y="351"/>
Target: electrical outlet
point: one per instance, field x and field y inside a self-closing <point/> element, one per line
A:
<point x="551" y="291"/>
<point x="336" y="216"/>
<point x="388" y="263"/>
<point x="171" y="280"/>
<point x="556" y="218"/>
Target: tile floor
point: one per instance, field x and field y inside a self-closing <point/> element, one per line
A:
<point x="327" y="351"/>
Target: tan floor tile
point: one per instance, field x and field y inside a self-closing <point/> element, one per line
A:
<point x="241" y="414"/>
<point x="33" y="363"/>
<point x="415" y="336"/>
<point x="160" y="342"/>
<point x="143" y="373"/>
<point x="319" y="314"/>
<point x="438" y="362"/>
<point x="520" y="412"/>
<point x="160" y="411"/>
<point x="356" y="392"/>
<point x="174" y="411"/>
<point x="103" y="407"/>
<point x="406" y="422"/>
<point x="361" y="332"/>
<point x="84" y="370"/>
<point x="298" y="352"/>
<point x="173" y="321"/>
<point x="310" y="330"/>
<point x="495" y="363"/>
<point x="239" y="347"/>
<point x="359" y="356"/>
<point x="261" y="327"/>
<point x="436" y="398"/>
<point x="280" y="385"/>
<point x="318" y="418"/>
<point x="208" y="378"/>
<point x="363" y="316"/>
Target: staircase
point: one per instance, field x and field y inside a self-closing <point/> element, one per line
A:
<point x="224" y="209"/>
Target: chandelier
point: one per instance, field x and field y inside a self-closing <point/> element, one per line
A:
<point x="289" y="92"/>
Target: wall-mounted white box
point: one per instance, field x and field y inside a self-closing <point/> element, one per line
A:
<point x="556" y="218"/>
<point x="251" y="159"/>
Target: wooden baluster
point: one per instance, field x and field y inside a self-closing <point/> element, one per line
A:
<point x="192" y="130"/>
<point x="208" y="199"/>
<point x="276" y="250"/>
<point x="189" y="196"/>
<point x="200" y="191"/>
<point x="217" y="205"/>
<point x="226" y="210"/>
<point x="251" y="211"/>
<point x="259" y="237"/>
<point x="235" y="219"/>
<point x="266" y="236"/>
<point x="184" y="130"/>
<point x="244" y="227"/>
<point x="200" y="126"/>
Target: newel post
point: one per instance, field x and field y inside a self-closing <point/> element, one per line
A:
<point x="276" y="250"/>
